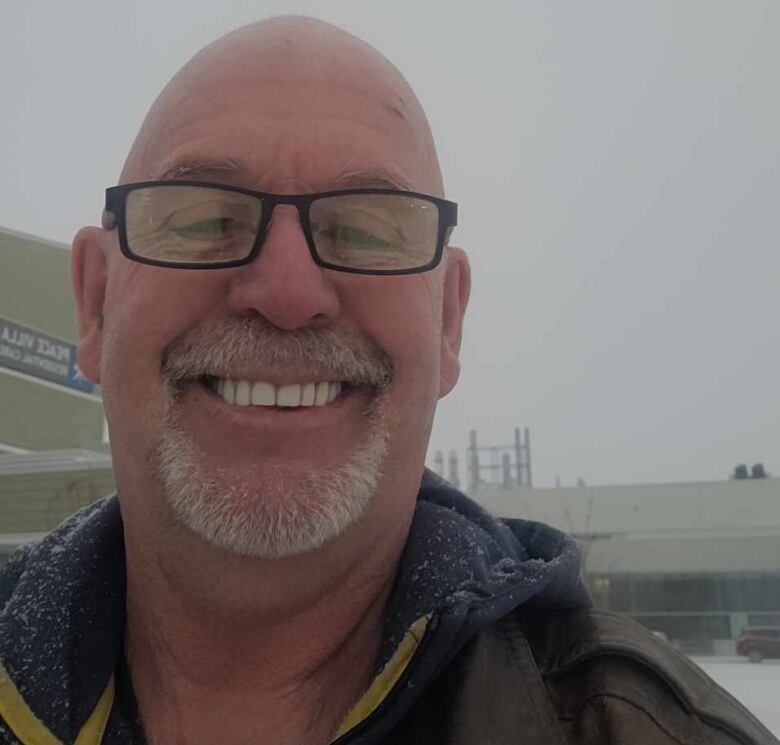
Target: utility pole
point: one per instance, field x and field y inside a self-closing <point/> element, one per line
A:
<point x="507" y="465"/>
<point x="454" y="476"/>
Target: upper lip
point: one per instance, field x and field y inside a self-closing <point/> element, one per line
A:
<point x="280" y="376"/>
<point x="280" y="379"/>
<point x="285" y="377"/>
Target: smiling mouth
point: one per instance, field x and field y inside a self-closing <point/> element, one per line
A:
<point x="261" y="393"/>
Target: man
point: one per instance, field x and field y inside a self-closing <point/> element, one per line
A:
<point x="272" y="308"/>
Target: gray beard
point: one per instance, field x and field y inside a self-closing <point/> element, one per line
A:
<point x="268" y="511"/>
<point x="262" y="509"/>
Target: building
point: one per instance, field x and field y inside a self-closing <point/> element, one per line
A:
<point x="46" y="403"/>
<point x="51" y="417"/>
<point x="697" y="561"/>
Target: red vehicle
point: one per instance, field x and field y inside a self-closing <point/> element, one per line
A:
<point x="757" y="642"/>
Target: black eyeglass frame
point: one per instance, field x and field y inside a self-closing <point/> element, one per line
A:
<point x="114" y="216"/>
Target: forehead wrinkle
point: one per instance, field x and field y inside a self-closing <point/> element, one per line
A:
<point x="287" y="100"/>
<point x="348" y="176"/>
<point x="288" y="159"/>
<point x="196" y="146"/>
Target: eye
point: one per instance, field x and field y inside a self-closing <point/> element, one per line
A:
<point x="356" y="237"/>
<point x="209" y="228"/>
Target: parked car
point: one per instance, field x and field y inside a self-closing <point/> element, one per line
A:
<point x="757" y="642"/>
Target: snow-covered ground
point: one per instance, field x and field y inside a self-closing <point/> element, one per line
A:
<point x="756" y="686"/>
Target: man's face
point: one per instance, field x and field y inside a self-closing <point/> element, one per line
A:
<point x="274" y="321"/>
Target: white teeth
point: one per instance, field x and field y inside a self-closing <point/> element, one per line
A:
<point x="248" y="393"/>
<point x="308" y="393"/>
<point x="321" y="397"/>
<point x="229" y="394"/>
<point x="263" y="394"/>
<point x="288" y="395"/>
<point x="243" y="393"/>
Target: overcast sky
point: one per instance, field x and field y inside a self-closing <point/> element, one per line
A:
<point x="617" y="166"/>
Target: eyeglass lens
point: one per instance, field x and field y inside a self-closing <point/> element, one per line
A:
<point x="191" y="224"/>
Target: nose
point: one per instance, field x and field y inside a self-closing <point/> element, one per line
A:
<point x="283" y="284"/>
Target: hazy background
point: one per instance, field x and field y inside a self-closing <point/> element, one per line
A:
<point x="617" y="167"/>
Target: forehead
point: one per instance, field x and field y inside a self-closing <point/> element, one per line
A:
<point x="289" y="122"/>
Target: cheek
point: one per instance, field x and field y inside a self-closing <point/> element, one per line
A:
<point x="403" y="317"/>
<point x="145" y="311"/>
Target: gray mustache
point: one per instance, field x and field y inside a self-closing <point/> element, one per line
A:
<point x="219" y="347"/>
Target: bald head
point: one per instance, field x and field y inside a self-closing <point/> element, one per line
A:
<point x="290" y="82"/>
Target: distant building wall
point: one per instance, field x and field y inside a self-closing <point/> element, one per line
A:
<point x="633" y="510"/>
<point x="39" y="410"/>
<point x="38" y="503"/>
<point x="40" y="490"/>
<point x="698" y="561"/>
<point x="35" y="283"/>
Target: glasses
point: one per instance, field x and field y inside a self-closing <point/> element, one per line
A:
<point x="196" y="225"/>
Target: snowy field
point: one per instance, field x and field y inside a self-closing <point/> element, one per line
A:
<point x="757" y="687"/>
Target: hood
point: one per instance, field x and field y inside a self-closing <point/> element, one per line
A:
<point x="461" y="561"/>
<point x="465" y="569"/>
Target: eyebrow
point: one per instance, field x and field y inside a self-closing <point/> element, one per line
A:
<point x="200" y="168"/>
<point x="372" y="179"/>
<point x="359" y="179"/>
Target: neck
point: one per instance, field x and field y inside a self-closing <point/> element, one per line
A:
<point x="227" y="649"/>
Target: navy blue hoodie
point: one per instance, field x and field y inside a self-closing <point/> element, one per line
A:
<point x="62" y="605"/>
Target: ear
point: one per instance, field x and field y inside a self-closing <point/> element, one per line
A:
<point x="455" y="298"/>
<point x="88" y="274"/>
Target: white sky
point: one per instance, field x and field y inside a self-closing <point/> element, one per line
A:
<point x="617" y="166"/>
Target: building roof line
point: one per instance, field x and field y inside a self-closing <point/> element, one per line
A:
<point x="34" y="238"/>
<point x="522" y="490"/>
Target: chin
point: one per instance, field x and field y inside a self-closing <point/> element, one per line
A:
<point x="265" y="510"/>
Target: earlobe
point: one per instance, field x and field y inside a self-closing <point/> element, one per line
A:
<point x="455" y="298"/>
<point x="88" y="274"/>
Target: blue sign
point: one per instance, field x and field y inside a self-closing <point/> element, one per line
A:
<point x="41" y="355"/>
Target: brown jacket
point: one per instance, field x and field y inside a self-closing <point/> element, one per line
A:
<point x="584" y="678"/>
